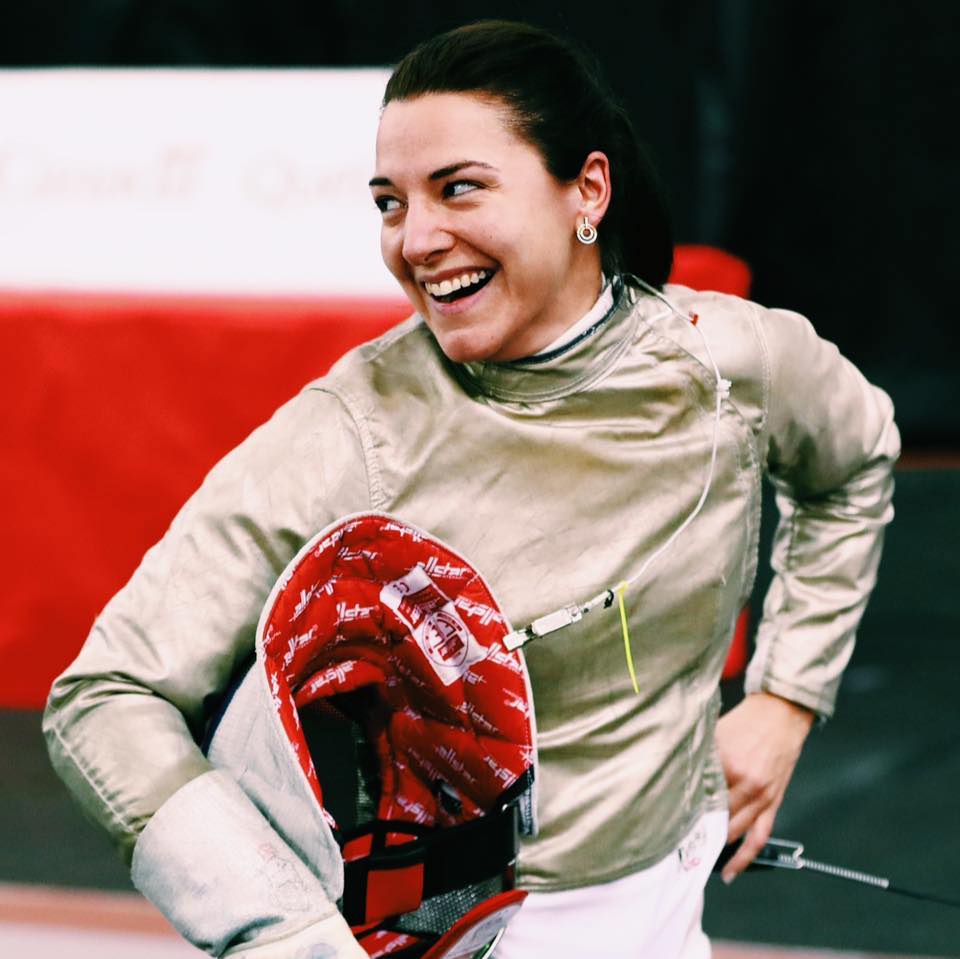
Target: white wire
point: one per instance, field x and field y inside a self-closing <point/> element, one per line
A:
<point x="721" y="389"/>
<point x="569" y="614"/>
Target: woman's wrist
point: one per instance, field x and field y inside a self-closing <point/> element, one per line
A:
<point x="799" y="715"/>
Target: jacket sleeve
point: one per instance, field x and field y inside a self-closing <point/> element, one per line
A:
<point x="123" y="721"/>
<point x="830" y="444"/>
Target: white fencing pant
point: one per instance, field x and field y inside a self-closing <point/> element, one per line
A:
<point x="651" y="914"/>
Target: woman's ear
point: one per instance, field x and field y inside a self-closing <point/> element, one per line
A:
<point x="593" y="184"/>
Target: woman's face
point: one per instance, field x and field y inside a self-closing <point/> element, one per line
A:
<point x="477" y="232"/>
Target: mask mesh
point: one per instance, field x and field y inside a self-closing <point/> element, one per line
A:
<point x="441" y="912"/>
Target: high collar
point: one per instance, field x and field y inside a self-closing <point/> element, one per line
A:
<point x="569" y="369"/>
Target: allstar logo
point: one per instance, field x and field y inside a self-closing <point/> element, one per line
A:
<point x="303" y="602"/>
<point x="501" y="772"/>
<point x="332" y="674"/>
<point x="403" y="531"/>
<point x="486" y="614"/>
<point x="508" y="660"/>
<point x="296" y="643"/>
<point x="350" y="614"/>
<point x="414" y="809"/>
<point x="434" y="567"/>
<point x="513" y="701"/>
<point x="348" y="555"/>
<point x="328" y="541"/>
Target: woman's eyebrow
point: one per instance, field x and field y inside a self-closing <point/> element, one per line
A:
<point x="456" y="167"/>
<point x="440" y="174"/>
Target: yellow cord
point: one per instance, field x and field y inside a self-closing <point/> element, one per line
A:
<point x="621" y="588"/>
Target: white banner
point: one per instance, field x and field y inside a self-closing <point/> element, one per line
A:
<point x="196" y="181"/>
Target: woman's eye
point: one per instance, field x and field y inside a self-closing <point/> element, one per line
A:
<point x="387" y="204"/>
<point x="459" y="187"/>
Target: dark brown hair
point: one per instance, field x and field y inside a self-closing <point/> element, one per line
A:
<point x="560" y="105"/>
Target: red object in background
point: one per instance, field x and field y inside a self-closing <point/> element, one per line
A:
<point x="707" y="268"/>
<point x="739" y="647"/>
<point x="114" y="409"/>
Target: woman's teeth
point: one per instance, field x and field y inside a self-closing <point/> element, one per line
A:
<point x="464" y="282"/>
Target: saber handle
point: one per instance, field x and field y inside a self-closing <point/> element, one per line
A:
<point x="780" y="853"/>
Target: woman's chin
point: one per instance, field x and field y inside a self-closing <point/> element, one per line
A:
<point x="464" y="346"/>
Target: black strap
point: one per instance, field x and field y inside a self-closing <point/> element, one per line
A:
<point x="452" y="858"/>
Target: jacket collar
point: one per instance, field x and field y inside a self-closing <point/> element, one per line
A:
<point x="571" y="368"/>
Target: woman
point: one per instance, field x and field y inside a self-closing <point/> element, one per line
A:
<point x="557" y="420"/>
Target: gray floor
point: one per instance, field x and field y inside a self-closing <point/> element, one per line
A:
<point x="876" y="790"/>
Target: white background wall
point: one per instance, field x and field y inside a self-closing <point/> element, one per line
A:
<point x="220" y="181"/>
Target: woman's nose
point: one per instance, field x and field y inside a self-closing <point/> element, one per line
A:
<point x="425" y="235"/>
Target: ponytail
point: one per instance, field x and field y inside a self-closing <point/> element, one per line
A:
<point x="559" y="105"/>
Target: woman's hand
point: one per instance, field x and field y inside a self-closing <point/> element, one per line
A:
<point x="759" y="742"/>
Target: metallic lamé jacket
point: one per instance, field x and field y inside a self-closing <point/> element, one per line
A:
<point x="556" y="477"/>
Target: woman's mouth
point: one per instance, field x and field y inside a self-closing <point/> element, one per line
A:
<point x="459" y="287"/>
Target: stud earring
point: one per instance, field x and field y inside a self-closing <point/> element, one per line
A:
<point x="586" y="233"/>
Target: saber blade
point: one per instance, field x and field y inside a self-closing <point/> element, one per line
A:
<point x="786" y="854"/>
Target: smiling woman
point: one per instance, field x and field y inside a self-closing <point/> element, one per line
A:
<point x="490" y="152"/>
<point x="500" y="213"/>
<point x="591" y="440"/>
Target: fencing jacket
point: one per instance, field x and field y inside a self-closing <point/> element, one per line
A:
<point x="556" y="477"/>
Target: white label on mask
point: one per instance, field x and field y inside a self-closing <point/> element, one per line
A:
<point x="433" y="621"/>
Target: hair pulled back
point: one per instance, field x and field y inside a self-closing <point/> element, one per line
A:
<point x="560" y="105"/>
